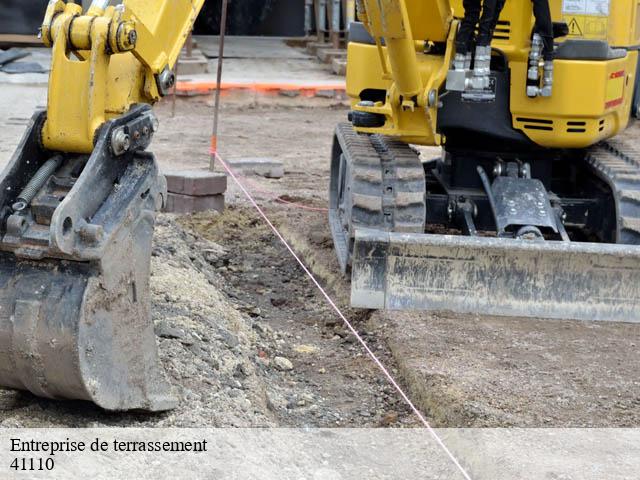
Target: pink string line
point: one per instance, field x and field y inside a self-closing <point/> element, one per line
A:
<point x="273" y="198"/>
<point x="344" y="319"/>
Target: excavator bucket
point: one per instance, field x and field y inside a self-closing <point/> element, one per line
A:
<point x="74" y="271"/>
<point x="496" y="276"/>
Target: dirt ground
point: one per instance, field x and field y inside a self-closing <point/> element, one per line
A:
<point x="248" y="341"/>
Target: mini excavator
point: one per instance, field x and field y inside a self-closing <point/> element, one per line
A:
<point x="532" y="209"/>
<point x="78" y="201"/>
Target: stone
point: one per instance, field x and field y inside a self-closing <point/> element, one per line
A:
<point x="389" y="419"/>
<point x="184" y="204"/>
<point x="289" y="93"/>
<point x="326" y="55"/>
<point x="197" y="183"/>
<point x="197" y="63"/>
<point x="164" y="330"/>
<point x="339" y="66"/>
<point x="283" y="364"/>
<point x="325" y="93"/>
<point x="313" y="47"/>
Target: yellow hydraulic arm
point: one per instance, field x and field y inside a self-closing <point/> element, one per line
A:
<point x="401" y="30"/>
<point x="107" y="59"/>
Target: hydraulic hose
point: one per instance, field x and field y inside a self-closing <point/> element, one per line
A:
<point x="544" y="26"/>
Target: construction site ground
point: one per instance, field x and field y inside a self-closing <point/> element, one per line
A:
<point x="247" y="340"/>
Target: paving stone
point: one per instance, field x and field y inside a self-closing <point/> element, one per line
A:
<point x="177" y="203"/>
<point x="265" y="167"/>
<point x="326" y="93"/>
<point x="326" y="55"/>
<point x="196" y="64"/>
<point x="312" y="48"/>
<point x="196" y="182"/>
<point x="339" y="66"/>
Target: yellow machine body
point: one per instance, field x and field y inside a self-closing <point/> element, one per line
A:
<point x="591" y="100"/>
<point x="105" y="61"/>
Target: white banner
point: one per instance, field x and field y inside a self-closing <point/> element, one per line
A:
<point x="330" y="454"/>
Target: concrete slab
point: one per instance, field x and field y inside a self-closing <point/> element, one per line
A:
<point x="40" y="56"/>
<point x="251" y="47"/>
<point x="17" y="104"/>
<point x="196" y="182"/>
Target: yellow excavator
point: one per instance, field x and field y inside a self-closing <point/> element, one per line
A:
<point x="533" y="207"/>
<point x="78" y="201"/>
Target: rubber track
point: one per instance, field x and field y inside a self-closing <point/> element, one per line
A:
<point x="617" y="162"/>
<point x="388" y="184"/>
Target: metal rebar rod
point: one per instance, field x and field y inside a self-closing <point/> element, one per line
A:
<point x="216" y="111"/>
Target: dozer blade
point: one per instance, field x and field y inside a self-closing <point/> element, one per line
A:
<point x="495" y="276"/>
<point x="75" y="317"/>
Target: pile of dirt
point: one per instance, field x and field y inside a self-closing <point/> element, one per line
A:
<point x="244" y="339"/>
<point x="207" y="347"/>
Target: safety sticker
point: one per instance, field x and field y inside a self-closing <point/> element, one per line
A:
<point x="587" y="18"/>
<point x="586" y="7"/>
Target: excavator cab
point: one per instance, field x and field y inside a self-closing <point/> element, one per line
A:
<point x="78" y="201"/>
<point x="533" y="206"/>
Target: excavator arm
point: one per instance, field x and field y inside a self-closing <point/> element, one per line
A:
<point x="110" y="58"/>
<point x="77" y="209"/>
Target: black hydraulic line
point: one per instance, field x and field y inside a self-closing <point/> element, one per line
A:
<point x="464" y="39"/>
<point x="544" y="26"/>
<point x="492" y="201"/>
<point x="490" y="13"/>
<point x="486" y="23"/>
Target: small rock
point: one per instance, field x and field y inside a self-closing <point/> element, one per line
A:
<point x="322" y="370"/>
<point x="283" y="364"/>
<point x="240" y="370"/>
<point x="164" y="330"/>
<point x="305" y="349"/>
<point x="229" y="339"/>
<point x="289" y="93"/>
<point x="263" y="362"/>
<point x="278" y="302"/>
<point x="389" y="419"/>
<point x="234" y="393"/>
<point x="325" y="93"/>
<point x="262" y="329"/>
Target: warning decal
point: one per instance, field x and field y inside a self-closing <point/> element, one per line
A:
<point x="586" y="7"/>
<point x="574" y="28"/>
<point x="587" y="18"/>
